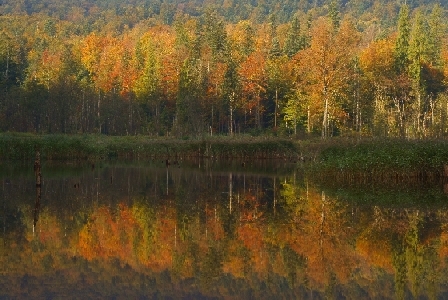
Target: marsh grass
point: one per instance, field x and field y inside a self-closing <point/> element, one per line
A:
<point x="15" y="146"/>
<point x="400" y="196"/>
<point x="340" y="158"/>
<point x="381" y="160"/>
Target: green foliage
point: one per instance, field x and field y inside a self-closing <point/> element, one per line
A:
<point x="147" y="86"/>
<point x="188" y="69"/>
<point x="24" y="147"/>
<point x="333" y="13"/>
<point x="215" y="35"/>
<point x="411" y="159"/>
<point x="248" y="39"/>
<point x="402" y="42"/>
<point x="295" y="39"/>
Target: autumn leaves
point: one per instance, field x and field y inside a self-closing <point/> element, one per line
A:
<point x="200" y="75"/>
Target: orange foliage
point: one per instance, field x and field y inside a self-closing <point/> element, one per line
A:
<point x="48" y="230"/>
<point x="110" y="234"/>
<point x="251" y="234"/>
<point x="253" y="76"/>
<point x="376" y="253"/>
<point x="377" y="59"/>
<point x="214" y="225"/>
<point x="326" y="67"/>
<point x="165" y="226"/>
<point x="443" y="250"/>
<point x="445" y="63"/>
<point x="109" y="62"/>
<point x="216" y="78"/>
<point x="322" y="237"/>
<point x="46" y="67"/>
<point x="170" y="75"/>
<point x="106" y="236"/>
<point x="235" y="264"/>
<point x="129" y="72"/>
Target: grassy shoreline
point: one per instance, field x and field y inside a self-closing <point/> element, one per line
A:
<point x="339" y="157"/>
<point x="381" y="160"/>
<point x="15" y="146"/>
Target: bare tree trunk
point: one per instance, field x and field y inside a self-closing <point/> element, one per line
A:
<point x="419" y="104"/>
<point x="98" y="112"/>
<point x="232" y="99"/>
<point x="230" y="192"/>
<point x="38" y="174"/>
<point x="275" y="110"/>
<point x="325" y="118"/>
<point x="322" y="223"/>
<point x="308" y="125"/>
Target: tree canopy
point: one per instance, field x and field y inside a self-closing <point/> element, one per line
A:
<point x="189" y="69"/>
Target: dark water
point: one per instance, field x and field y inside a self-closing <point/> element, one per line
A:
<point x="207" y="230"/>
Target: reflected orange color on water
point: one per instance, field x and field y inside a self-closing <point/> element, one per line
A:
<point x="308" y="237"/>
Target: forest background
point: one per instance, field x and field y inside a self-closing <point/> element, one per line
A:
<point x="196" y="68"/>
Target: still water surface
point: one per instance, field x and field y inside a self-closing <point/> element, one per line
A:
<point x="207" y="230"/>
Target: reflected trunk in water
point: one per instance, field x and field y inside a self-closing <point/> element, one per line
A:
<point x="208" y="230"/>
<point x="38" y="175"/>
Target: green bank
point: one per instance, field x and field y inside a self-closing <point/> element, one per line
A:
<point x="66" y="147"/>
<point x="379" y="159"/>
<point x="338" y="157"/>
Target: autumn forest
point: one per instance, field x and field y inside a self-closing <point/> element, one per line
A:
<point x="195" y="68"/>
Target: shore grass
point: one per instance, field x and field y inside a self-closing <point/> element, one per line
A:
<point x="15" y="146"/>
<point x="380" y="159"/>
<point x="337" y="157"/>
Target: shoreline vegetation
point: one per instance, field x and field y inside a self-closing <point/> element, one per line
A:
<point x="347" y="159"/>
<point x="18" y="146"/>
<point x="388" y="161"/>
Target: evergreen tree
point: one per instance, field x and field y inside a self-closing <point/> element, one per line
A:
<point x="248" y="40"/>
<point x="275" y="51"/>
<point x="333" y="13"/>
<point x="294" y="40"/>
<point x="435" y="35"/>
<point x="402" y="42"/>
<point x="417" y="50"/>
<point x="215" y="34"/>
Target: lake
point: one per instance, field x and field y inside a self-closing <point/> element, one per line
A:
<point x="217" y="230"/>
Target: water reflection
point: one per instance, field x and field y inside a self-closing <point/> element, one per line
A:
<point x="149" y="230"/>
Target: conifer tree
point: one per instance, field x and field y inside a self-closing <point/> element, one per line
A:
<point x="435" y="35"/>
<point x="333" y="13"/>
<point x="402" y="42"/>
<point x="275" y="51"/>
<point x="294" y="40"/>
<point x="248" y="40"/>
<point x="417" y="58"/>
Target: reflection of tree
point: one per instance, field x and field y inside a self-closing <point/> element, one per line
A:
<point x="319" y="233"/>
<point x="415" y="260"/>
<point x="294" y="265"/>
<point x="211" y="267"/>
<point x="406" y="242"/>
<point x="38" y="174"/>
<point x="313" y="244"/>
<point x="143" y="244"/>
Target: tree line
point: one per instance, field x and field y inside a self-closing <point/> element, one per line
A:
<point x="317" y="74"/>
